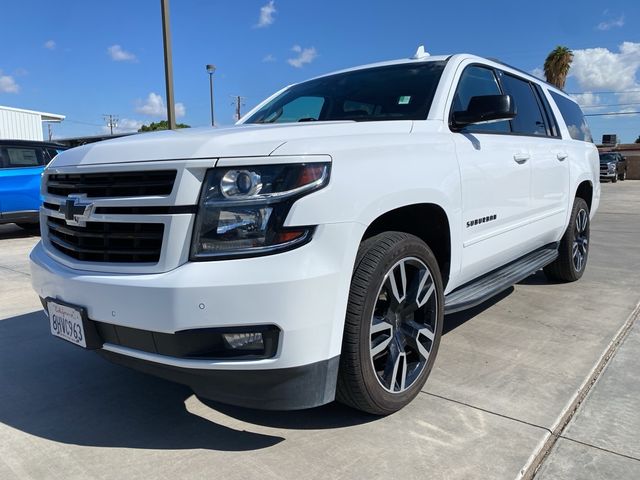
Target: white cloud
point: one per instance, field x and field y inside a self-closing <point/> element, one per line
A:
<point x="118" y="54"/>
<point x="181" y="111"/>
<point x="154" y="106"/>
<point x="49" y="45"/>
<point x="601" y="69"/>
<point x="8" y="84"/>
<point x="538" y="72"/>
<point x="587" y="99"/>
<point x="612" y="23"/>
<point x="305" y="55"/>
<point x="269" y="58"/>
<point x="124" y="125"/>
<point x="266" y="14"/>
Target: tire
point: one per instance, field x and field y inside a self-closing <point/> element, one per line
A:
<point x="615" y="178"/>
<point x="393" y="324"/>
<point x="623" y="175"/>
<point x="574" y="246"/>
<point x="30" y="227"/>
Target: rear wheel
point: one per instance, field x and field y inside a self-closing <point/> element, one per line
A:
<point x="393" y="323"/>
<point x="623" y="175"/>
<point x="574" y="246"/>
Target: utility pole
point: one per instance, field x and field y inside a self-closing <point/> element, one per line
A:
<point x="112" y="121"/>
<point x="50" y="131"/>
<point x="239" y="102"/>
<point x="168" y="64"/>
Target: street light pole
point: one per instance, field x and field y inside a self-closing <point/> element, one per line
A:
<point x="210" y="70"/>
<point x="168" y="64"/>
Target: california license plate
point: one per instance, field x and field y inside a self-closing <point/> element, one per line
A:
<point x="66" y="322"/>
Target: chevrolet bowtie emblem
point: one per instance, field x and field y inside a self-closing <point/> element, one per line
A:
<point x="76" y="210"/>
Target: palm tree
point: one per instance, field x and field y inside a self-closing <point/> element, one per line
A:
<point x="557" y="64"/>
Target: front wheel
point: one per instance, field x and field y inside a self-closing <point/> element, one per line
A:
<point x="623" y="175"/>
<point x="574" y="246"/>
<point x="393" y="324"/>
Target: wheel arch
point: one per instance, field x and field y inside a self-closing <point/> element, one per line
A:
<point x="435" y="230"/>
<point x="585" y="191"/>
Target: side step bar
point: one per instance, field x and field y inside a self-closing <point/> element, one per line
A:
<point x="489" y="285"/>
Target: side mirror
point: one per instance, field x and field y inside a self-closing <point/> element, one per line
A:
<point x="485" y="109"/>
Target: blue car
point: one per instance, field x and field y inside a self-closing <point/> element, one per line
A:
<point x="21" y="165"/>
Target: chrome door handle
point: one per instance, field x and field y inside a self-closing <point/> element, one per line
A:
<point x="521" y="157"/>
<point x="562" y="155"/>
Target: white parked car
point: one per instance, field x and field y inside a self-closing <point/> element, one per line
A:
<point x="311" y="252"/>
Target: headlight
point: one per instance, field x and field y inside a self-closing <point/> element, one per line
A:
<point x="242" y="210"/>
<point x="612" y="167"/>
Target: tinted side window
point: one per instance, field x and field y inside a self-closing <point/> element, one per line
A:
<point x="20" y="157"/>
<point x="554" y="131"/>
<point x="302" y="108"/>
<point x="528" y="119"/>
<point x="573" y="117"/>
<point x="476" y="81"/>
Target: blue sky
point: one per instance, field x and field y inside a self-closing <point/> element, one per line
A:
<point x="86" y="59"/>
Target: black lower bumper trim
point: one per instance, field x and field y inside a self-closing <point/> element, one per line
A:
<point x="26" y="216"/>
<point x="294" y="388"/>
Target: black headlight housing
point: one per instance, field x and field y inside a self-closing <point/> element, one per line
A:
<point x="242" y="210"/>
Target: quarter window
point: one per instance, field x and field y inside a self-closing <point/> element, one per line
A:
<point x="477" y="81"/>
<point x="573" y="117"/>
<point x="528" y="119"/>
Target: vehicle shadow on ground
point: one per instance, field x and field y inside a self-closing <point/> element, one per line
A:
<point x="58" y="391"/>
<point x="539" y="278"/>
<point x="455" y="320"/>
<point x="13" y="231"/>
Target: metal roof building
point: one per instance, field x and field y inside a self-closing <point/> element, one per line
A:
<point x="20" y="124"/>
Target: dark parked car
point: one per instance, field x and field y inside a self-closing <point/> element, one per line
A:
<point x="613" y="166"/>
<point x="21" y="165"/>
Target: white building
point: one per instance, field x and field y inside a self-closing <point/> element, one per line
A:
<point x="20" y="124"/>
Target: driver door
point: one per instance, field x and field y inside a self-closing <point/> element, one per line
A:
<point x="496" y="181"/>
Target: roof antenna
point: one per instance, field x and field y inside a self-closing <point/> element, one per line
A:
<point x="421" y="53"/>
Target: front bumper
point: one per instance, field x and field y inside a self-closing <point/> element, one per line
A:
<point x="303" y="292"/>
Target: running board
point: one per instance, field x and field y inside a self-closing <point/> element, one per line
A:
<point x="489" y="285"/>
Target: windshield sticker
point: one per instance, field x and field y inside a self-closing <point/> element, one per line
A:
<point x="404" y="100"/>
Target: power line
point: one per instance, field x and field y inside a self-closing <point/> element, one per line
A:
<point x="604" y="93"/>
<point x="611" y="105"/>
<point x="610" y="113"/>
<point x="83" y="123"/>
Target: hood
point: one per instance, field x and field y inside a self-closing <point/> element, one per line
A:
<point x="233" y="141"/>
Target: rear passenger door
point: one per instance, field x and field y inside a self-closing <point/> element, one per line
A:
<point x="536" y="127"/>
<point x="20" y="171"/>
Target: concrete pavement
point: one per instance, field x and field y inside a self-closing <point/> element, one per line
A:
<point x="508" y="376"/>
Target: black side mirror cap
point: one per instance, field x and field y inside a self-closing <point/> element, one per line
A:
<point x="485" y="109"/>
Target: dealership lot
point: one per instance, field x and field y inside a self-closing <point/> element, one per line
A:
<point x="508" y="378"/>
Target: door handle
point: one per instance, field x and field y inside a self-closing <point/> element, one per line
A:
<point x="521" y="157"/>
<point x="562" y="155"/>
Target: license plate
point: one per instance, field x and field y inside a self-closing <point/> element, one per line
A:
<point x="66" y="322"/>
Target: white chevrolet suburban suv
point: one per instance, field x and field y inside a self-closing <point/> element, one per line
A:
<point x="311" y="251"/>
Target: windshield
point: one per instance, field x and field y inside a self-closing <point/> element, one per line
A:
<point x="397" y="92"/>
<point x="608" y="157"/>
